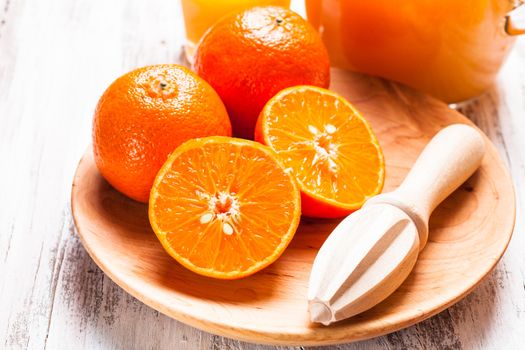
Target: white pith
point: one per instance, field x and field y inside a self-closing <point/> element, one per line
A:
<point x="325" y="148"/>
<point x="223" y="207"/>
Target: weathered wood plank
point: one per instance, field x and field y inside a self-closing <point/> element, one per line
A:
<point x="56" y="57"/>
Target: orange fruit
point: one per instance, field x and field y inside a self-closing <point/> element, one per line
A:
<point x="224" y="207"/>
<point x="144" y="115"/>
<point x="327" y="145"/>
<point x="250" y="56"/>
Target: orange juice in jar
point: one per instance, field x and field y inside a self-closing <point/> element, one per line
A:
<point x="199" y="15"/>
<point x="451" y="49"/>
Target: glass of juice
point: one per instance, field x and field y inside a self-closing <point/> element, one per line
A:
<point x="199" y="15"/>
<point x="451" y="49"/>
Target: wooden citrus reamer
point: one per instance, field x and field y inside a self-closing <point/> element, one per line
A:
<point x="372" y="251"/>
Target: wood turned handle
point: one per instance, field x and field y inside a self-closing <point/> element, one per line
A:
<point x="449" y="159"/>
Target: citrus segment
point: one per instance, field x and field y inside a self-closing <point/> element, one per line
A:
<point x="330" y="149"/>
<point x="224" y="207"/>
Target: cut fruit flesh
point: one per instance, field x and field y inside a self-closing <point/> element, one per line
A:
<point x="224" y="207"/>
<point x="329" y="148"/>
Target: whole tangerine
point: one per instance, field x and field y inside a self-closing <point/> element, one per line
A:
<point x="251" y="55"/>
<point x="144" y="115"/>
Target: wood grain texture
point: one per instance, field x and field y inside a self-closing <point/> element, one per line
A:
<point x="56" y="58"/>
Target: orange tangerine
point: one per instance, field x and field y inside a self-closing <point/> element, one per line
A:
<point x="328" y="147"/>
<point x="224" y="207"/>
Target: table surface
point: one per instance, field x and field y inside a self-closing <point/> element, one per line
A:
<point x="56" y="58"/>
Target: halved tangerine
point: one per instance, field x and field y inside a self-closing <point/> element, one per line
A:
<point x="224" y="207"/>
<point x="327" y="145"/>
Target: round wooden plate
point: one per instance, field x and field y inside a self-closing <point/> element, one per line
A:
<point x="468" y="234"/>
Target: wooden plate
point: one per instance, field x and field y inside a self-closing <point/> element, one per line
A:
<point x="468" y="234"/>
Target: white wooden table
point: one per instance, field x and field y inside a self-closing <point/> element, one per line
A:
<point x="56" y="58"/>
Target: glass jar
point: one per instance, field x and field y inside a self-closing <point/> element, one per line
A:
<point x="451" y="49"/>
<point x="199" y="15"/>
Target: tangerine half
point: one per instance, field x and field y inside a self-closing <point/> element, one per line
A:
<point x="328" y="146"/>
<point x="224" y="207"/>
